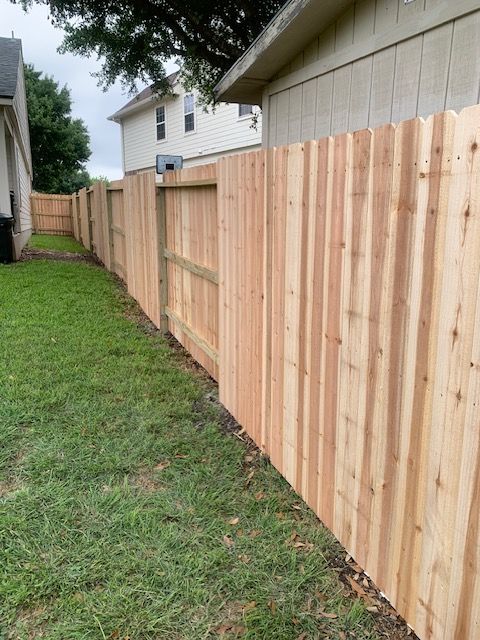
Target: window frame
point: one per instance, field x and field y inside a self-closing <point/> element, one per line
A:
<point x="156" y="108"/>
<point x="187" y="113"/>
<point x="245" y="116"/>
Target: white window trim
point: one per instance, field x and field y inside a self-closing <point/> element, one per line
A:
<point x="194" y="130"/>
<point x="157" y="106"/>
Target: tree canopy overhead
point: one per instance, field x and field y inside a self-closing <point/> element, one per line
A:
<point x="59" y="143"/>
<point x="135" y="38"/>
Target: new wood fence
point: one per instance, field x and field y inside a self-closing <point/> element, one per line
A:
<point x="332" y="288"/>
<point x="51" y="214"/>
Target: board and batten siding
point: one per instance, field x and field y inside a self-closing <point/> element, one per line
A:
<point x="381" y="61"/>
<point x="215" y="134"/>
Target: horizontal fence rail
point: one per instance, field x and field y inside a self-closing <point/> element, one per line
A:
<point x="332" y="289"/>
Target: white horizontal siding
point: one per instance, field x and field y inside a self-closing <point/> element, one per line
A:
<point x="215" y="134"/>
<point x="425" y="73"/>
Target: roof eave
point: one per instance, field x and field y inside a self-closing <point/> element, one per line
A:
<point x="289" y="32"/>
<point x="118" y="115"/>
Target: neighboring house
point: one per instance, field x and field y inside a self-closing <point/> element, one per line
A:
<point x="178" y="125"/>
<point x="322" y="67"/>
<point x="15" y="156"/>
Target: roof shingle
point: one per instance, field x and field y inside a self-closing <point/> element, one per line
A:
<point x="144" y="94"/>
<point x="10" y="50"/>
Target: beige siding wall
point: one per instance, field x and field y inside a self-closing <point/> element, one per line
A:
<point x="25" y="190"/>
<point x="20" y="107"/>
<point x="382" y="61"/>
<point x="215" y="134"/>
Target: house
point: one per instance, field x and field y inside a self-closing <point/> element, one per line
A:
<point x="177" y="124"/>
<point x="15" y="156"/>
<point x="324" y="67"/>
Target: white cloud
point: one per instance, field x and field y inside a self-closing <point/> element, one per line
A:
<point x="40" y="41"/>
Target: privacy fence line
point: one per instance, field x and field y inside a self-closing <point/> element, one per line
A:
<point x="51" y="214"/>
<point x="332" y="289"/>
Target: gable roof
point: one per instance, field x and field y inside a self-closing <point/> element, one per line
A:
<point x="293" y="28"/>
<point x="10" y="52"/>
<point x="142" y="98"/>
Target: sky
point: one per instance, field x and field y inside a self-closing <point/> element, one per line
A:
<point x="40" y="41"/>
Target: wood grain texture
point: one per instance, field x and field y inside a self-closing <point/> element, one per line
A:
<point x="371" y="348"/>
<point x="84" y="217"/>
<point x="191" y="242"/>
<point x="344" y="332"/>
<point x="52" y="214"/>
<point x="141" y="243"/>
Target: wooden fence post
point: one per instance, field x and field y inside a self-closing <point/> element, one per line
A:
<point x="162" y="260"/>
<point x="91" y="221"/>
<point x="111" y="247"/>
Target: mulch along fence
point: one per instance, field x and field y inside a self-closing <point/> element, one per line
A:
<point x="332" y="289"/>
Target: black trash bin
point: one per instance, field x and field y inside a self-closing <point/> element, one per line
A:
<point x="6" y="237"/>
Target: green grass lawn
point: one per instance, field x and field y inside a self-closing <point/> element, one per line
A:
<point x="56" y="243"/>
<point x="125" y="510"/>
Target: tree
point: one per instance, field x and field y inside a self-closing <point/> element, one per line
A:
<point x="60" y="143"/>
<point x="136" y="37"/>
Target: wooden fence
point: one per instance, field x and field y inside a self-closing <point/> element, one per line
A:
<point x="332" y="288"/>
<point x="190" y="201"/>
<point x="51" y="214"/>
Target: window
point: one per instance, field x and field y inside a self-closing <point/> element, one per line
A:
<point x="245" y="110"/>
<point x="189" y="112"/>
<point x="160" y="117"/>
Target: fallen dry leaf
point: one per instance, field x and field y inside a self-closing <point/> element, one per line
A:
<point x="223" y="629"/>
<point x="244" y="558"/>
<point x="228" y="541"/>
<point x="181" y="456"/>
<point x="297" y="507"/>
<point x="249" y="606"/>
<point x="234" y="521"/>
<point x="238" y="629"/>
<point x="162" y="465"/>
<point x="359" y="590"/>
<point x="302" y="636"/>
<point x="330" y="616"/>
<point x="272" y="605"/>
<point x="259" y="496"/>
<point x="254" y="533"/>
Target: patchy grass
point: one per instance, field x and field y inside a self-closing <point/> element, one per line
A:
<point x="125" y="511"/>
<point x="64" y="244"/>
